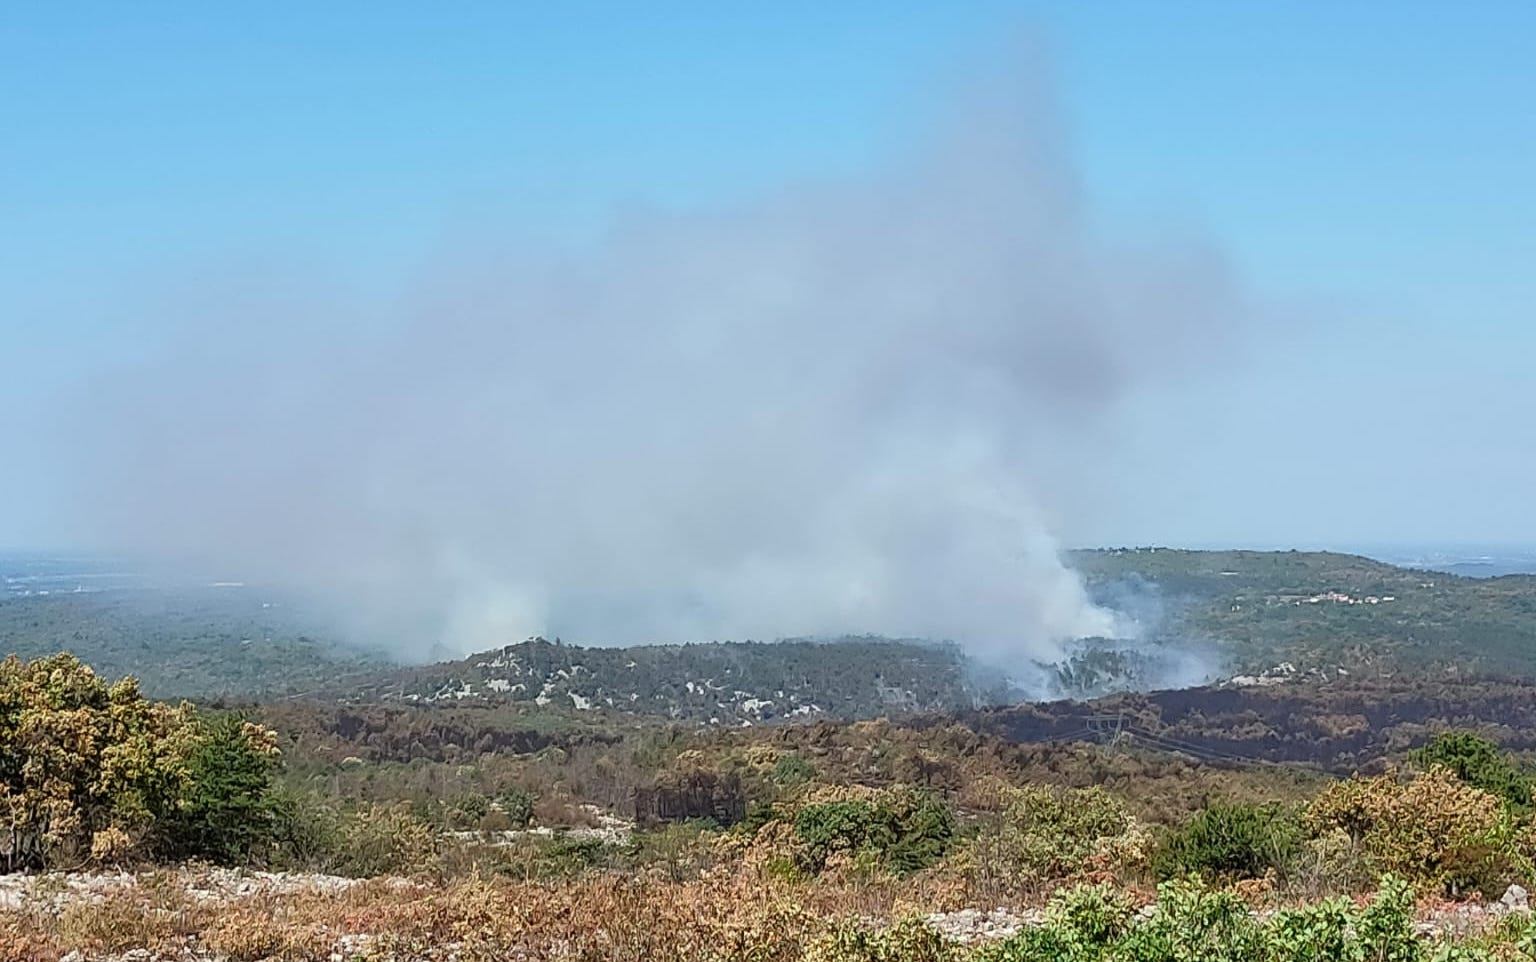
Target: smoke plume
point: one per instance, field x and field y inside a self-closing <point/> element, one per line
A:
<point x="850" y="407"/>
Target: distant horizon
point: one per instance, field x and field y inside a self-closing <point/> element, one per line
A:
<point x="1468" y="548"/>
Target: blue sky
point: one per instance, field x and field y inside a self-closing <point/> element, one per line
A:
<point x="1366" y="167"/>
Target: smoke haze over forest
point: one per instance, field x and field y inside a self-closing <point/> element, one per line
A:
<point x="372" y="309"/>
<point x="848" y="406"/>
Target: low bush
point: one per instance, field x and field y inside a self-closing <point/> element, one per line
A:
<point x="1192" y="921"/>
<point x="1046" y="835"/>
<point x="1230" y="842"/>
<point x="793" y="769"/>
<point x="899" y="830"/>
<point x="308" y="833"/>
<point x="908" y="941"/>
<point x="467" y="811"/>
<point x="1081" y="923"/>
<point x="517" y="805"/>
<point x="387" y="840"/>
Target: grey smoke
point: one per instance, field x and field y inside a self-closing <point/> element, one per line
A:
<point x="849" y="407"/>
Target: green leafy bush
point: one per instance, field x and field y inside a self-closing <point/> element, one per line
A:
<point x="793" y="769"/>
<point x="467" y="811"/>
<point x="1095" y="914"/>
<point x="1385" y="928"/>
<point x="900" y="830"/>
<point x="1478" y="762"/>
<point x="1321" y="930"/>
<point x="307" y="833"/>
<point x="1338" y="929"/>
<point x="1192" y="922"/>
<point x="1231" y="841"/>
<point x="517" y="805"/>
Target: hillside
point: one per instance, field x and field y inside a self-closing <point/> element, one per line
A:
<point x="181" y="643"/>
<point x="1323" y="611"/>
<point x="1204" y="615"/>
<point x="716" y="683"/>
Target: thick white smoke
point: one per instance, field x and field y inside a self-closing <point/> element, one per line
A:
<point x="853" y="407"/>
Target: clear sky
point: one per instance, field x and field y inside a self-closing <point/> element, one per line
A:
<point x="1368" y="168"/>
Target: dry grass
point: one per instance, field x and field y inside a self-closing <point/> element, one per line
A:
<point x="723" y="915"/>
<point x="598" y="917"/>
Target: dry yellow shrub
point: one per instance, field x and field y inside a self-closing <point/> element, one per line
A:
<point x="1429" y="830"/>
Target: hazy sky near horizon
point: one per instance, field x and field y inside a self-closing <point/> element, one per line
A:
<point x="1367" y="171"/>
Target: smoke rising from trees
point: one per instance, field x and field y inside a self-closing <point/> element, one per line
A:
<point x="862" y="406"/>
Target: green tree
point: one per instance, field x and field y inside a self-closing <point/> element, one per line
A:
<point x="226" y="808"/>
<point x="1478" y="762"/>
<point x="96" y="771"/>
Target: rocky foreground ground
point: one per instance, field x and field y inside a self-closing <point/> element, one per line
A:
<point x="58" y="890"/>
<point x="180" y="915"/>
